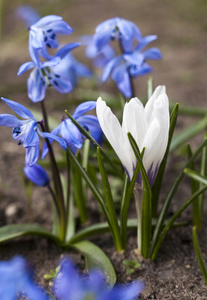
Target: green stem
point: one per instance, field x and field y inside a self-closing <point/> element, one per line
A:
<point x="138" y="192"/>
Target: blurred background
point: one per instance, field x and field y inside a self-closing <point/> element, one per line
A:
<point x="181" y="27"/>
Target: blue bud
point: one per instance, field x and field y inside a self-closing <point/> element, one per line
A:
<point x="37" y="175"/>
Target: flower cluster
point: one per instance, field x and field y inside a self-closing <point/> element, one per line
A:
<point x="61" y="70"/>
<point x="17" y="279"/>
<point x="131" y="62"/>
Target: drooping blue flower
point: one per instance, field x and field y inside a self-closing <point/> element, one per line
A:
<point x="131" y="64"/>
<point x="17" y="280"/>
<point x="43" y="34"/>
<point x="37" y="175"/>
<point x="71" y="134"/>
<point x="26" y="131"/>
<point x="50" y="72"/>
<point x="28" y="14"/>
<point x="100" y="57"/>
<point x="117" y="29"/>
<point x="70" y="285"/>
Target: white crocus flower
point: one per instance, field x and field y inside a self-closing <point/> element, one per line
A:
<point x="148" y="125"/>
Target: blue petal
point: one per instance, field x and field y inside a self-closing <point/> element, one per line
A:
<point x="37" y="175"/>
<point x="33" y="50"/>
<point x="66" y="49"/>
<point x="31" y="137"/>
<point x="110" y="66"/>
<point x="27" y="14"/>
<point x="48" y="135"/>
<point x="36" y="38"/>
<point x="71" y="134"/>
<point x="83" y="108"/>
<point x="62" y="84"/>
<point x="102" y="38"/>
<point x="152" y="53"/>
<point x="32" y="155"/>
<point x="135" y="58"/>
<point x="19" y="109"/>
<point x="25" y="67"/>
<point x="145" y="41"/>
<point x="9" y="121"/>
<point x="56" y="132"/>
<point x="62" y="27"/>
<point x="121" y="77"/>
<point x="142" y="70"/>
<point x="36" y="86"/>
<point x="92" y="124"/>
<point x="47" y="20"/>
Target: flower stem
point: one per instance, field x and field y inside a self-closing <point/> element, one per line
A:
<point x="138" y="191"/>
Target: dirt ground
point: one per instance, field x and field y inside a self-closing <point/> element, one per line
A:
<point x="181" y="27"/>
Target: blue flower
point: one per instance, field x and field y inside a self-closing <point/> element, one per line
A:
<point x="71" y="134"/>
<point x="27" y="14"/>
<point x="70" y="285"/>
<point x="37" y="175"/>
<point x="100" y="57"/>
<point x="26" y="131"/>
<point x="51" y="72"/>
<point x="114" y="29"/>
<point x="17" y="280"/>
<point x="131" y="64"/>
<point x="43" y="34"/>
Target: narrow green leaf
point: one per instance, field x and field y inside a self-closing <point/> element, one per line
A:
<point x="158" y="181"/>
<point x="170" y="195"/>
<point x="202" y="170"/>
<point x="94" y="142"/>
<point x="12" y="231"/>
<point x="188" y="133"/>
<point x="110" y="204"/>
<point x="173" y="218"/>
<point x="150" y="87"/>
<point x="93" y="188"/>
<point x="194" y="187"/>
<point x="96" y="259"/>
<point x="199" y="254"/>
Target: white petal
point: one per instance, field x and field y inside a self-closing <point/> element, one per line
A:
<point x="134" y="120"/>
<point x="115" y="135"/>
<point x="150" y="103"/>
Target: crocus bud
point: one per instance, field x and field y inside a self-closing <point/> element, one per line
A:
<point x="149" y="127"/>
<point x="37" y="175"/>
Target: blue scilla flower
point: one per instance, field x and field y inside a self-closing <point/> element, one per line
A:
<point x="70" y="285"/>
<point x="47" y="73"/>
<point x="17" y="280"/>
<point x="100" y="57"/>
<point x="43" y="34"/>
<point x="131" y="64"/>
<point x="26" y="131"/>
<point x="71" y="134"/>
<point x="114" y="29"/>
<point x="37" y="175"/>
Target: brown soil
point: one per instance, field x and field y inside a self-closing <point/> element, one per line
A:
<point x="181" y="29"/>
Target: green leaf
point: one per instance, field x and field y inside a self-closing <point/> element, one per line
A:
<point x="129" y="271"/>
<point x="150" y="87"/>
<point x="110" y="204"/>
<point x="96" y="259"/>
<point x="173" y="218"/>
<point x="158" y="181"/>
<point x="199" y="254"/>
<point x="12" y="231"/>
<point x="188" y="133"/>
<point x="170" y="195"/>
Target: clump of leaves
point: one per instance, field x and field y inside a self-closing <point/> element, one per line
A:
<point x="52" y="274"/>
<point x="131" y="265"/>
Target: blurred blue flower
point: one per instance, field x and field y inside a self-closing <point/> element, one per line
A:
<point x="37" y="175"/>
<point x="17" y="280"/>
<point x="28" y="14"/>
<point x="70" y="285"/>
<point x="100" y="57"/>
<point x="50" y="72"/>
<point x="117" y="29"/>
<point x="43" y="34"/>
<point x="72" y="69"/>
<point x="71" y="134"/>
<point x="131" y="64"/>
<point x="26" y="131"/>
